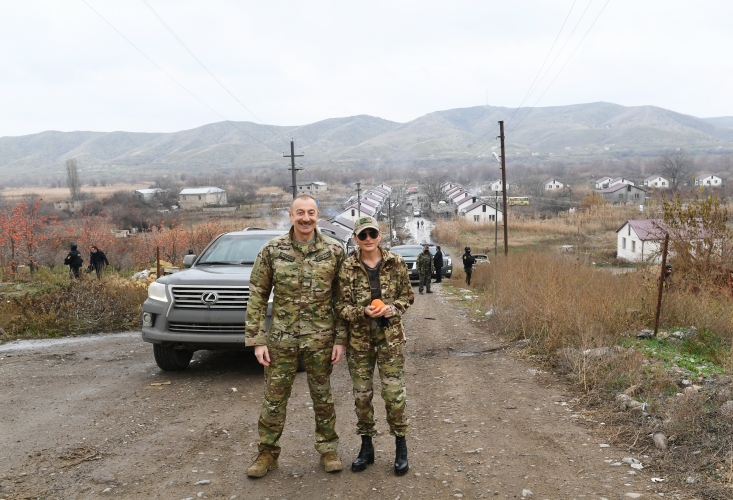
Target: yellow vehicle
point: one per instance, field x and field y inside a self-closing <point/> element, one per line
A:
<point x="518" y="200"/>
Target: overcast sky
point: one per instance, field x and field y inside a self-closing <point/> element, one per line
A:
<point x="64" y="68"/>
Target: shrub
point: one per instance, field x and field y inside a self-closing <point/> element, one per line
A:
<point x="82" y="306"/>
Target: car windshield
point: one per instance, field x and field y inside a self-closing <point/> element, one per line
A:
<point x="234" y="249"/>
<point x="411" y="252"/>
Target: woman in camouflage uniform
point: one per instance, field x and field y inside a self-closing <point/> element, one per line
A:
<point x="376" y="336"/>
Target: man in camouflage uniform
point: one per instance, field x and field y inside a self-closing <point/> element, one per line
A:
<point x="376" y="336"/>
<point x="425" y="268"/>
<point x="302" y="269"/>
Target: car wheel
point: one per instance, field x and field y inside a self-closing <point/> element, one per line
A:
<point x="301" y="363"/>
<point x="170" y="359"/>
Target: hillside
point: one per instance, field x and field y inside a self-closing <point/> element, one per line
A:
<point x="577" y="133"/>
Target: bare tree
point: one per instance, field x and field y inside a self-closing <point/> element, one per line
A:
<point x="72" y="179"/>
<point x="675" y="167"/>
<point x="431" y="185"/>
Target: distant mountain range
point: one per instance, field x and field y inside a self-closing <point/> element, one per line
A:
<point x="575" y="133"/>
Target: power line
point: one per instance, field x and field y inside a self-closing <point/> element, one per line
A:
<point x="531" y="86"/>
<point x="172" y="78"/>
<point x="582" y="15"/>
<point x="178" y="39"/>
<point x="563" y="66"/>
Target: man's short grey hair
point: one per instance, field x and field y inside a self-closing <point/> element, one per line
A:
<point x="302" y="196"/>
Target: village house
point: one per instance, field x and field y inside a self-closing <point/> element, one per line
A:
<point x="312" y="188"/>
<point x="480" y="211"/>
<point x="495" y="185"/>
<point x="656" y="181"/>
<point x="708" y="180"/>
<point x="623" y="194"/>
<point x="201" y="197"/>
<point x="639" y="240"/>
<point x="553" y="184"/>
<point x="603" y="182"/>
<point x="619" y="180"/>
<point x="148" y="195"/>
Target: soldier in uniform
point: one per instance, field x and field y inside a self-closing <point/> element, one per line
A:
<point x="468" y="262"/>
<point x="302" y="269"/>
<point x="425" y="268"/>
<point x="376" y="335"/>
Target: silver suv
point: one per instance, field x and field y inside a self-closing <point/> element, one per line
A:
<point x="203" y="307"/>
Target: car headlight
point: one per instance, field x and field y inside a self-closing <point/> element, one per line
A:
<point x="448" y="261"/>
<point x="156" y="291"/>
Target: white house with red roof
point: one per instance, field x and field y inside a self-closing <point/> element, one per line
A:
<point x="640" y="240"/>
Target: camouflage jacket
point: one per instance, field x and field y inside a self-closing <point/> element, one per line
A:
<point x="425" y="263"/>
<point x="354" y="294"/>
<point x="303" y="304"/>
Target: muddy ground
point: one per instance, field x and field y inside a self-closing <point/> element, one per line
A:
<point x="80" y="419"/>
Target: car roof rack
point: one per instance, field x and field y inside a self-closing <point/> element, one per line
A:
<point x="254" y="229"/>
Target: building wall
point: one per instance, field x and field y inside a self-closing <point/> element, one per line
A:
<point x="479" y="216"/>
<point x="626" y="196"/>
<point x="630" y="248"/>
<point x="711" y="180"/>
<point x="188" y="201"/>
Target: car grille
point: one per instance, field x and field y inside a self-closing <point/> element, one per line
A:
<point x="206" y="328"/>
<point x="409" y="265"/>
<point x="191" y="297"/>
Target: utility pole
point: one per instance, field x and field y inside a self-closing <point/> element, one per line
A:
<point x="389" y="219"/>
<point x="496" y="222"/>
<point x="293" y="170"/>
<point x="358" y="199"/>
<point x="661" y="282"/>
<point x="503" y="187"/>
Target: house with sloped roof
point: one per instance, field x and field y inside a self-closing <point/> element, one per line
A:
<point x="481" y="212"/>
<point x="553" y="185"/>
<point x="640" y="240"/>
<point x="148" y="195"/>
<point x="201" y="197"/>
<point x="495" y="185"/>
<point x="603" y="182"/>
<point x="623" y="194"/>
<point x="313" y="188"/>
<point x="656" y="181"/>
<point x="708" y="180"/>
<point x="619" y="180"/>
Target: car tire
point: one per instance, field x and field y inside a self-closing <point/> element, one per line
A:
<point x="301" y="363"/>
<point x="170" y="359"/>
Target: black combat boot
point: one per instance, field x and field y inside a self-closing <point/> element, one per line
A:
<point x="400" y="461"/>
<point x="366" y="455"/>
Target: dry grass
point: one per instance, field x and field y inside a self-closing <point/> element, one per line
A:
<point x="61" y="194"/>
<point x="582" y="321"/>
<point x="60" y="307"/>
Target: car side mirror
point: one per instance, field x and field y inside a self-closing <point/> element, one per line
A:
<point x="188" y="260"/>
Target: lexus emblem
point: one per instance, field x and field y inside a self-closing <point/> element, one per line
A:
<point x="209" y="298"/>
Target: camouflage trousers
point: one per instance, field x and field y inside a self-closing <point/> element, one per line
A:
<point x="279" y="378"/>
<point x="392" y="376"/>
<point x="424" y="281"/>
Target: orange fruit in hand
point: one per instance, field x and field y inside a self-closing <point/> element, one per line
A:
<point x="378" y="304"/>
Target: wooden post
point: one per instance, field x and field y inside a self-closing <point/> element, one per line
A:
<point x="157" y="260"/>
<point x="661" y="283"/>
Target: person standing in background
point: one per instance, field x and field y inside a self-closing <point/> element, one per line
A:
<point x="438" y="262"/>
<point x="97" y="260"/>
<point x="425" y="268"/>
<point x="468" y="262"/>
<point x="74" y="260"/>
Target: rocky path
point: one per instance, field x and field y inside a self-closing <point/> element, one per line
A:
<point x="87" y="419"/>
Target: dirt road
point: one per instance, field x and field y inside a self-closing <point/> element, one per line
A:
<point x="80" y="419"/>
